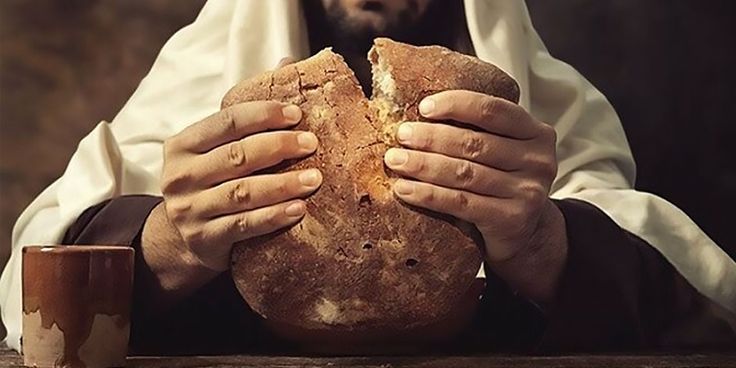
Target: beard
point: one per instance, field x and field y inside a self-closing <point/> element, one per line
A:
<point x="331" y="25"/>
<point x="397" y="26"/>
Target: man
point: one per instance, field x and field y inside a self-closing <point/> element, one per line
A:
<point x="577" y="260"/>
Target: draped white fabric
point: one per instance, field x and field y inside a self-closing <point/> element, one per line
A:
<point x="231" y="40"/>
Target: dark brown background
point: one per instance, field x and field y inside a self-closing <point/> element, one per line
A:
<point x="667" y="66"/>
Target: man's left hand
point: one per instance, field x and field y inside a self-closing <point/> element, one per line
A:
<point x="497" y="177"/>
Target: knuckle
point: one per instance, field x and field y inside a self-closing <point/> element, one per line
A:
<point x="426" y="195"/>
<point x="240" y="193"/>
<point x="415" y="163"/>
<point x="265" y="111"/>
<point x="488" y="107"/>
<point x="543" y="164"/>
<point x="419" y="162"/>
<point x="548" y="133"/>
<point x="282" y="188"/>
<point x="274" y="218"/>
<point x="178" y="210"/>
<point x="473" y="145"/>
<point x="549" y="169"/>
<point x="226" y="121"/>
<point x="534" y="195"/>
<point x="236" y="155"/>
<point x="242" y="224"/>
<point x="461" y="200"/>
<point x="174" y="181"/>
<point x="281" y="145"/>
<point x="287" y="143"/>
<point x="192" y="234"/>
<point x="424" y="137"/>
<point x="465" y="174"/>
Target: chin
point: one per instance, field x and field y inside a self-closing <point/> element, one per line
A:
<point x="369" y="22"/>
<point x="361" y="18"/>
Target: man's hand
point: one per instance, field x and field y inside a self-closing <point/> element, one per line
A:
<point x="211" y="198"/>
<point x="497" y="178"/>
<point x="209" y="194"/>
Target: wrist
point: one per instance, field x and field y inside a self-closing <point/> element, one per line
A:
<point x="177" y="271"/>
<point x="536" y="269"/>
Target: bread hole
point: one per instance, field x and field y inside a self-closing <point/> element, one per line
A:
<point x="365" y="200"/>
<point x="367" y="246"/>
<point x="411" y="263"/>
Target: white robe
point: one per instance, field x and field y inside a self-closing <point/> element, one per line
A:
<point x="232" y="40"/>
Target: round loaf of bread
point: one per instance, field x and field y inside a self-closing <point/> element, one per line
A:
<point x="361" y="261"/>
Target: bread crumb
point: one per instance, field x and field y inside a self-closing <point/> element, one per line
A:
<point x="327" y="312"/>
<point x="383" y="102"/>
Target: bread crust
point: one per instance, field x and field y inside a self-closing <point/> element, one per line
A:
<point x="360" y="260"/>
<point x="419" y="72"/>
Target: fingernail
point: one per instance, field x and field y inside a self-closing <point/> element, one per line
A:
<point x="427" y="106"/>
<point x="307" y="141"/>
<point x="310" y="178"/>
<point x="404" y="133"/>
<point x="295" y="209"/>
<point x="396" y="157"/>
<point x="403" y="187"/>
<point x="292" y="113"/>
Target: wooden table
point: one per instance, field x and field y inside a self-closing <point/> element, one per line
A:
<point x="9" y="358"/>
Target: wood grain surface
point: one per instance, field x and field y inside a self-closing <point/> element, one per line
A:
<point x="10" y="358"/>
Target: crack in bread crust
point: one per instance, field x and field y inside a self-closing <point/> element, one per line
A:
<point x="361" y="260"/>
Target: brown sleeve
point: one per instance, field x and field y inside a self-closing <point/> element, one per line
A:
<point x="617" y="291"/>
<point x="116" y="221"/>
<point x="213" y="320"/>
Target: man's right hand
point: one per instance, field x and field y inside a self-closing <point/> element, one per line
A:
<point x="212" y="200"/>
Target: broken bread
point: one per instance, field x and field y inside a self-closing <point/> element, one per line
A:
<point x="361" y="261"/>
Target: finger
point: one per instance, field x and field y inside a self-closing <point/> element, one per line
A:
<point x="451" y="172"/>
<point x="256" y="191"/>
<point x="285" y="61"/>
<point x="236" y="122"/>
<point x="501" y="221"/>
<point x="248" y="224"/>
<point x="492" y="114"/>
<point x="250" y="154"/>
<point x="466" y="206"/>
<point x="484" y="148"/>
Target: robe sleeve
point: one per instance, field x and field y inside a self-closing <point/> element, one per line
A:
<point x="616" y="293"/>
